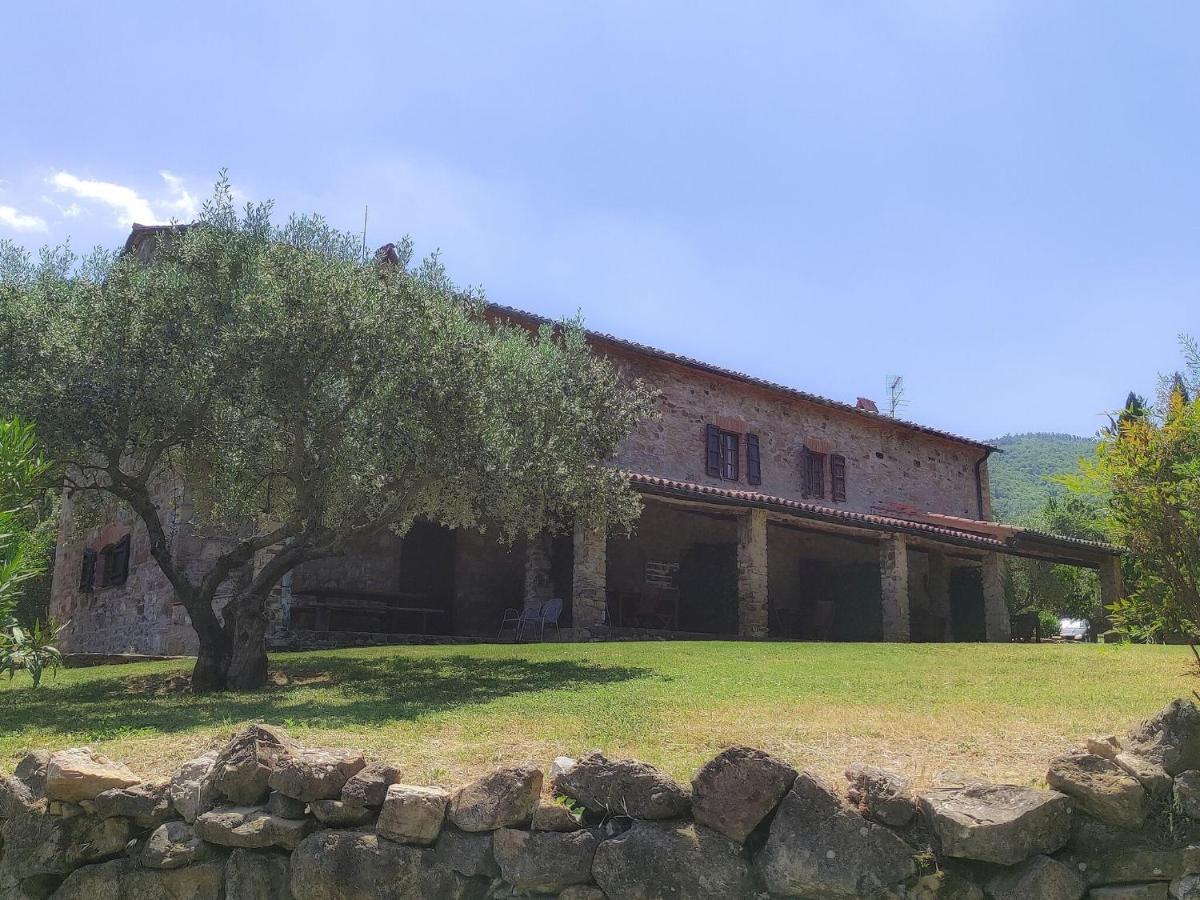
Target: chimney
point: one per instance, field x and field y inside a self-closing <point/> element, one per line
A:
<point x="867" y="405"/>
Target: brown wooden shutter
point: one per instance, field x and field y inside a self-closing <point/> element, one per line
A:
<point x="753" y="461"/>
<point x="837" y="476"/>
<point x="712" y="446"/>
<point x="87" y="571"/>
<point x="805" y="481"/>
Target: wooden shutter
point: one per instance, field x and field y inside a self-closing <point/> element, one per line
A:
<point x="813" y="465"/>
<point x="712" y="447"/>
<point x="837" y="476"/>
<point x="87" y="571"/>
<point x="753" y="461"/>
<point x="805" y="487"/>
<point x="119" y="561"/>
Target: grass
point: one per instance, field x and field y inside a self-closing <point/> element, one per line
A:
<point x="446" y="712"/>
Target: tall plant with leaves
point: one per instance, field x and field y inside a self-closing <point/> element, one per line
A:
<point x="22" y="474"/>
<point x="29" y="649"/>
<point x="307" y="400"/>
<point x="1148" y="467"/>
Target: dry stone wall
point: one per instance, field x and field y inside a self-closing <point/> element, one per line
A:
<point x="268" y="819"/>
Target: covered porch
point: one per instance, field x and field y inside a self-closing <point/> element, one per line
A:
<point x="710" y="562"/>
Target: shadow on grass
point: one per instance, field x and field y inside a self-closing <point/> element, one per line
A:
<point x="322" y="692"/>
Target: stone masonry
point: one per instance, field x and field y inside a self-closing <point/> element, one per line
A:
<point x="308" y="824"/>
<point x="752" y="574"/>
<point x="893" y="565"/>
<point x="995" y="608"/>
<point x="888" y="465"/>
<point x="588" y="579"/>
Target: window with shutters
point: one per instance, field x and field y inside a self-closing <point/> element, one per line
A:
<point x="104" y="565"/>
<point x="837" y="476"/>
<point x="87" y="571"/>
<point x="721" y="453"/>
<point x="114" y="564"/>
<point x="120" y="562"/>
<point x="814" y="474"/>
<point x="753" y="460"/>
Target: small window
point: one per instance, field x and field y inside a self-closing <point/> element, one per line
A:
<point x="721" y="453"/>
<point x="729" y="456"/>
<point x="87" y="571"/>
<point x="104" y="565"/>
<point x="120" y="563"/>
<point x="837" y="476"/>
<point x="814" y="474"/>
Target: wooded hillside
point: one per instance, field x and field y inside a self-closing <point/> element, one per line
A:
<point x="1020" y="475"/>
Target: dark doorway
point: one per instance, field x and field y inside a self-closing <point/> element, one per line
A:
<point x="707" y="581"/>
<point x="966" y="605"/>
<point x="841" y="602"/>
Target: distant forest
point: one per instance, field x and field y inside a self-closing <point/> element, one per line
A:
<point x="1020" y="475"/>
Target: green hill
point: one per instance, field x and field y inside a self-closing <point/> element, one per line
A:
<point x="1019" y="475"/>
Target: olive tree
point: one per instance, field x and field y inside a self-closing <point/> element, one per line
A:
<point x="307" y="398"/>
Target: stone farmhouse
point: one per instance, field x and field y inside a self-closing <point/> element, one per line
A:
<point x="768" y="512"/>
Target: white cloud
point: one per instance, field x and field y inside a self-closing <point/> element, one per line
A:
<point x="19" y="221"/>
<point x="181" y="202"/>
<point x="125" y="201"/>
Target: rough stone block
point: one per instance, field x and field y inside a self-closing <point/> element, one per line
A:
<point x="500" y="799"/>
<point x="1101" y="788"/>
<point x="997" y="823"/>
<point x="736" y="790"/>
<point x="412" y="814"/>
<point x="315" y="774"/>
<point x="672" y="859"/>
<point x="547" y="861"/>
<point x="623" y="787"/>
<point x="80" y="774"/>
<point x="818" y="847"/>
<point x="252" y="827"/>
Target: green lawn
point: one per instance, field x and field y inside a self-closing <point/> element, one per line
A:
<point x="993" y="711"/>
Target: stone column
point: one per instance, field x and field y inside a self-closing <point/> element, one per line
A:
<point x="1112" y="589"/>
<point x="939" y="592"/>
<point x="752" y="574"/>
<point x="997" y="626"/>
<point x="588" y="580"/>
<point x="538" y="586"/>
<point x="893" y="573"/>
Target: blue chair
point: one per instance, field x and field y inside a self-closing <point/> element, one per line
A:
<point x="517" y="618"/>
<point x="549" y="615"/>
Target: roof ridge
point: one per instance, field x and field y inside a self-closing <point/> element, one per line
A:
<point x="712" y="368"/>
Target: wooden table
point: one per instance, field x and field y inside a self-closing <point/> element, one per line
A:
<point x="376" y="601"/>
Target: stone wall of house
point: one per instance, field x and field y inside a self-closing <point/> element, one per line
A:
<point x="141" y="615"/>
<point x="268" y="819"/>
<point x="885" y="463"/>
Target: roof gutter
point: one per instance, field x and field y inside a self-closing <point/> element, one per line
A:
<point x="979" y="480"/>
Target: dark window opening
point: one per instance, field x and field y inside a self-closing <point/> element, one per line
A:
<point x="729" y="456"/>
<point x="114" y="563"/>
<point x="721" y="453"/>
<point x="87" y="571"/>
<point x="120" y="562"/>
<point x="814" y="474"/>
<point x="837" y="476"/>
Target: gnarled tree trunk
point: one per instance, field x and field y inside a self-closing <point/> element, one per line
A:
<point x="212" y="658"/>
<point x="246" y="626"/>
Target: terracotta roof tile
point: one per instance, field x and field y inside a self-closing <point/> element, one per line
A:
<point x="983" y="538"/>
<point x="691" y="363"/>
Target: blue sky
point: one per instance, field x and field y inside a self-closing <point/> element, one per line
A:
<point x="996" y="200"/>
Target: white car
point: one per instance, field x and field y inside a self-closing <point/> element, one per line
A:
<point x="1073" y="629"/>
